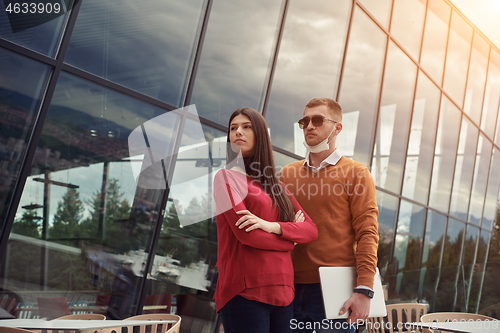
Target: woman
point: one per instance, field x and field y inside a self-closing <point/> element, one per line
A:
<point x="256" y="233"/>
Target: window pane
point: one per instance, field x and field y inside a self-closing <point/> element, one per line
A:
<point x="444" y="155"/>
<point x="379" y="9"/>
<point x="435" y="37"/>
<point x="492" y="194"/>
<point x="464" y="168"/>
<point x="491" y="95"/>
<point x="476" y="78"/>
<point x="408" y="23"/>
<point x="148" y="50"/>
<point x="236" y="55"/>
<point x="83" y="221"/>
<point x="394" y="119"/>
<point x="457" y="59"/>
<point x="421" y="143"/>
<point x="360" y="87"/>
<point x="22" y="81"/>
<point x="308" y="65"/>
<point x="184" y="275"/>
<point x="479" y="279"/>
<point x="410" y="231"/>
<point x="447" y="287"/>
<point x="483" y="156"/>
<point x="467" y="267"/>
<point x="387" y="208"/>
<point x="433" y="248"/>
<point x="39" y="32"/>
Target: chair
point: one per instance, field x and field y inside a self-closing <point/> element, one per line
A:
<point x="53" y="307"/>
<point x="9" y="304"/>
<point x="82" y="316"/>
<point x="491" y="311"/>
<point x="25" y="310"/>
<point x="397" y="316"/>
<point x="13" y="330"/>
<point x="174" y="328"/>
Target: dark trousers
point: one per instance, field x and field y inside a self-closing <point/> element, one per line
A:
<point x="309" y="312"/>
<point x="241" y="315"/>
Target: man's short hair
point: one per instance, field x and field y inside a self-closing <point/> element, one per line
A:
<point x="333" y="107"/>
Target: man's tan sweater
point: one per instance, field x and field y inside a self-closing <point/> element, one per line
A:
<point x="341" y="200"/>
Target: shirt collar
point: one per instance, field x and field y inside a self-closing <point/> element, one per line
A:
<point x="332" y="159"/>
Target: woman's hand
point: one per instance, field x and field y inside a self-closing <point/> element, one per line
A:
<point x="254" y="222"/>
<point x="299" y="217"/>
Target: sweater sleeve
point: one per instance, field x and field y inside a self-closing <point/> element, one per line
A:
<point x="364" y="211"/>
<point x="229" y="199"/>
<point x="301" y="232"/>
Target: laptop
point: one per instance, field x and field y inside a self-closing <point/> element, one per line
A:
<point x="337" y="284"/>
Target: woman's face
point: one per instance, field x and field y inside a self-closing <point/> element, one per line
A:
<point x="241" y="134"/>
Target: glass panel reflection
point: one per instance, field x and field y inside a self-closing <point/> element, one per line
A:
<point x="423" y="130"/>
<point x="85" y="225"/>
<point x="303" y="72"/>
<point x="491" y="95"/>
<point x="464" y="168"/>
<point x="457" y="58"/>
<point x="486" y="256"/>
<point x="236" y="55"/>
<point x="483" y="156"/>
<point x="394" y="118"/>
<point x="147" y="48"/>
<point x="476" y="78"/>
<point x="41" y="33"/>
<point x="388" y="266"/>
<point x="435" y="36"/>
<point x="444" y="155"/>
<point x="478" y="273"/>
<point x="433" y="250"/>
<point x="447" y="285"/>
<point x="491" y="204"/>
<point x="360" y="87"/>
<point x="184" y="274"/>
<point x="380" y="9"/>
<point x="410" y="232"/>
<point x="22" y="81"/>
<point x="408" y="23"/>
<point x="467" y="268"/>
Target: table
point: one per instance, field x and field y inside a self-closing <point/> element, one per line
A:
<point x="476" y="326"/>
<point x="76" y="325"/>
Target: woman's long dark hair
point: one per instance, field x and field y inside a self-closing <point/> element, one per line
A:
<point x="260" y="165"/>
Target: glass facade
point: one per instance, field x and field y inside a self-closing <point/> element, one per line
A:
<point x="103" y="104"/>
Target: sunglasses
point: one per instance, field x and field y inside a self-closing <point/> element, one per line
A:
<point x="317" y="121"/>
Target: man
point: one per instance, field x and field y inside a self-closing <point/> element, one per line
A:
<point x="339" y="195"/>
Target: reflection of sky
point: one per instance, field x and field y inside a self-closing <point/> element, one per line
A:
<point x="146" y="46"/>
<point x="235" y="59"/>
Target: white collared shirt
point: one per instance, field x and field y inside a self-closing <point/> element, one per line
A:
<point x="332" y="159"/>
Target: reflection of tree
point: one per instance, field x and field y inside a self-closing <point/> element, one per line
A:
<point x="409" y="283"/>
<point x="491" y="293"/>
<point x="117" y="217"/>
<point x="69" y="212"/>
<point x="28" y="224"/>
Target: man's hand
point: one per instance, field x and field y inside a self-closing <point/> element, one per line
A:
<point x="360" y="307"/>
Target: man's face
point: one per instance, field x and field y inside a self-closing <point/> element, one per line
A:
<point x="314" y="135"/>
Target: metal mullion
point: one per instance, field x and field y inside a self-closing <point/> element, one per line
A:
<point x="27" y="52"/>
<point x="32" y="142"/>
<point x="468" y="70"/>
<point x="197" y="56"/>
<point x="168" y="169"/>
<point x="441" y="85"/>
<point x="379" y="98"/>
<point x="346" y="47"/>
<point x="274" y="59"/>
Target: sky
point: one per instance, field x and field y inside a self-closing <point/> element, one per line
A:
<point x="484" y="14"/>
